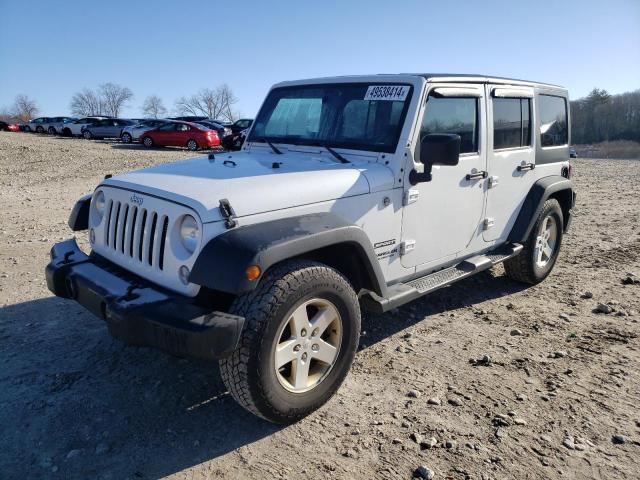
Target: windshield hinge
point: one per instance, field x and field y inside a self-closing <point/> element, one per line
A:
<point x="228" y="213"/>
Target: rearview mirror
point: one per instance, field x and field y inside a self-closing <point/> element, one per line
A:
<point x="436" y="149"/>
<point x="440" y="149"/>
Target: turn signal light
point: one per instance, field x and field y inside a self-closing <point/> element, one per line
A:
<point x="253" y="272"/>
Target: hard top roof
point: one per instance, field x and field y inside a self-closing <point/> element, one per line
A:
<point x="477" y="78"/>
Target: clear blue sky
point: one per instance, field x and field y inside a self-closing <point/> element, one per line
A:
<point x="49" y="50"/>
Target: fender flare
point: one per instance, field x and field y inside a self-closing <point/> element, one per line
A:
<point x="222" y="263"/>
<point x="540" y="192"/>
<point x="79" y="218"/>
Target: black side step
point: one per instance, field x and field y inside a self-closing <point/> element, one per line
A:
<point x="402" y="293"/>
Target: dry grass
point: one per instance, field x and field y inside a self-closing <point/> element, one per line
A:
<point x="616" y="149"/>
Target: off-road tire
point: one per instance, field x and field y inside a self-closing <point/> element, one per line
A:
<point x="249" y="374"/>
<point x="523" y="267"/>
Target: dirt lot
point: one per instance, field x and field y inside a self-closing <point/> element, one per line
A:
<point x="557" y="396"/>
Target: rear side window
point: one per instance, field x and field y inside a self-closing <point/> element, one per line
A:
<point x="553" y="121"/>
<point x="511" y="123"/>
<point x="453" y="115"/>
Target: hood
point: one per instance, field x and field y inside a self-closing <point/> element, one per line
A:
<point x="251" y="184"/>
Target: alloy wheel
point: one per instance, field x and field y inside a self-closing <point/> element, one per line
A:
<point x="546" y="242"/>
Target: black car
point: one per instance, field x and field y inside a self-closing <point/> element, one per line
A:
<point x="189" y="118"/>
<point x="4" y="126"/>
<point x="240" y="125"/>
<point x="221" y="129"/>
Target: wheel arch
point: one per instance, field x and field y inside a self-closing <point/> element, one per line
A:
<point x="324" y="237"/>
<point x="554" y="186"/>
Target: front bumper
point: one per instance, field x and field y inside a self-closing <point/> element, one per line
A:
<point x="137" y="312"/>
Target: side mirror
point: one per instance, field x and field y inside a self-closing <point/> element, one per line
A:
<point x="436" y="149"/>
<point x="440" y="149"/>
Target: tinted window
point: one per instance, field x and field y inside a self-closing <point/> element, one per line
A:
<point x="183" y="128"/>
<point x="453" y="115"/>
<point x="511" y="123"/>
<point x="168" y="127"/>
<point x="553" y="121"/>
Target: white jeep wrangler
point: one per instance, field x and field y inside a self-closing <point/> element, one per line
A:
<point x="348" y="193"/>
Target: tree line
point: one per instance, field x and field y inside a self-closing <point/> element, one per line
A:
<point x="110" y="99"/>
<point x="601" y="117"/>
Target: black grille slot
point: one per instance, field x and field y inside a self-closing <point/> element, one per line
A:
<point x="154" y="220"/>
<point x="124" y="227"/>
<point x="115" y="228"/>
<point x="108" y="222"/>
<point x="163" y="239"/>
<point x="142" y="226"/>
<point x="133" y="230"/>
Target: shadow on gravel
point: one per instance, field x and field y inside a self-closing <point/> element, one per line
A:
<point x="75" y="400"/>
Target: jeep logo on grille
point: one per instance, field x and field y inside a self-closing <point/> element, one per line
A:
<point x="136" y="199"/>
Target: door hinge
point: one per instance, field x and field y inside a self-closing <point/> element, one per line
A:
<point x="488" y="223"/>
<point x="493" y="181"/>
<point x="407" y="246"/>
<point x="411" y="196"/>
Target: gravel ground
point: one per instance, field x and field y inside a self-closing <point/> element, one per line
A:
<point x="487" y="379"/>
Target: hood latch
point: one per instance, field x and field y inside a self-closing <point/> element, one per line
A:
<point x="228" y="213"/>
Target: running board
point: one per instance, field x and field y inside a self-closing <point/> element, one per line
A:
<point x="402" y="293"/>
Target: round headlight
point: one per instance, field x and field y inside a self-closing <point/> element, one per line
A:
<point x="99" y="204"/>
<point x="189" y="233"/>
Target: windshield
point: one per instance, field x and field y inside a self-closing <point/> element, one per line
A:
<point x="357" y="116"/>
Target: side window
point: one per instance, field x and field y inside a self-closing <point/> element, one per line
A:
<point x="183" y="128"/>
<point x="453" y="115"/>
<point x="511" y="123"/>
<point x="553" y="121"/>
<point x="168" y="127"/>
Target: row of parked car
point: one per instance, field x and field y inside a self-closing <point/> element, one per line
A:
<point x="192" y="132"/>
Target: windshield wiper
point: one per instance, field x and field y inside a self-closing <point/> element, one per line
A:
<point x="275" y="149"/>
<point x="334" y="153"/>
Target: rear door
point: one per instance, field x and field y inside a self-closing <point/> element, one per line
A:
<point x="443" y="216"/>
<point x="510" y="157"/>
<point x="163" y="135"/>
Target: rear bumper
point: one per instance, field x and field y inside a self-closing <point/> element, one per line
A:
<point x="137" y="312"/>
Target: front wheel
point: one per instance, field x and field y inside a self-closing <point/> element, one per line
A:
<point x="87" y="134"/>
<point x="147" y="142"/>
<point x="39" y="129"/>
<point x="52" y="131"/>
<point x="192" y="145"/>
<point x="126" y="138"/>
<point x="541" y="248"/>
<point x="301" y="332"/>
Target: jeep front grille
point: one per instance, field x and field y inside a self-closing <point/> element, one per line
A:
<point x="136" y="232"/>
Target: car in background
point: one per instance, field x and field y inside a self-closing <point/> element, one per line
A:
<point x="235" y="140"/>
<point x="240" y="125"/>
<point x="217" y="126"/>
<point x="189" y="118"/>
<point x="4" y="126"/>
<point x="106" y="128"/>
<point x="75" y="127"/>
<point x="55" y="125"/>
<point x="182" y="134"/>
<point x="572" y="152"/>
<point x="35" y="125"/>
<point x="14" y="127"/>
<point x="132" y="133"/>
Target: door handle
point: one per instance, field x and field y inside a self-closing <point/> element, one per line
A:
<point x="477" y="175"/>
<point x="526" y="166"/>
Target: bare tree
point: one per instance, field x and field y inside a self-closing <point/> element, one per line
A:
<point x="86" y="103"/>
<point x="153" y="107"/>
<point x="216" y="103"/>
<point x="115" y="97"/>
<point x="24" y="108"/>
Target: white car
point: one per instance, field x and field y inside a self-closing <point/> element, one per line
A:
<point x="348" y="193"/>
<point x="56" y="125"/>
<point x="35" y="125"/>
<point x="132" y="133"/>
<point x="75" y="127"/>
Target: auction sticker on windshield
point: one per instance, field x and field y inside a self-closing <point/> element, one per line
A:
<point x="387" y="92"/>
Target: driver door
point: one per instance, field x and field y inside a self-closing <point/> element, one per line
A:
<point x="443" y="216"/>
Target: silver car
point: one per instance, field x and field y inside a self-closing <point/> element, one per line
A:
<point x="74" y="128"/>
<point x="35" y="125"/>
<point x="107" y="128"/>
<point x="55" y="125"/>
<point x="132" y="133"/>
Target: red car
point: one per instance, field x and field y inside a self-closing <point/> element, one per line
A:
<point x="181" y="134"/>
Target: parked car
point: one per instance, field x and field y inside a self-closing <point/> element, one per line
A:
<point x="188" y="118"/>
<point x="4" y="126"/>
<point x="240" y="125"/>
<point x="235" y="140"/>
<point x="55" y="125"/>
<point x="263" y="259"/>
<point x="572" y="152"/>
<point x="132" y="133"/>
<point x="106" y="128"/>
<point x="182" y="134"/>
<point x="35" y="125"/>
<point x="75" y="127"/>
<point x="9" y="127"/>
<point x="221" y="129"/>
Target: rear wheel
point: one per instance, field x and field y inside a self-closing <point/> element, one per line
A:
<point x="126" y="137"/>
<point x="147" y="142"/>
<point x="87" y="134"/>
<point x="39" y="129"/>
<point x="302" y="326"/>
<point x="192" y="145"/>
<point x="541" y="249"/>
<point x="52" y="131"/>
